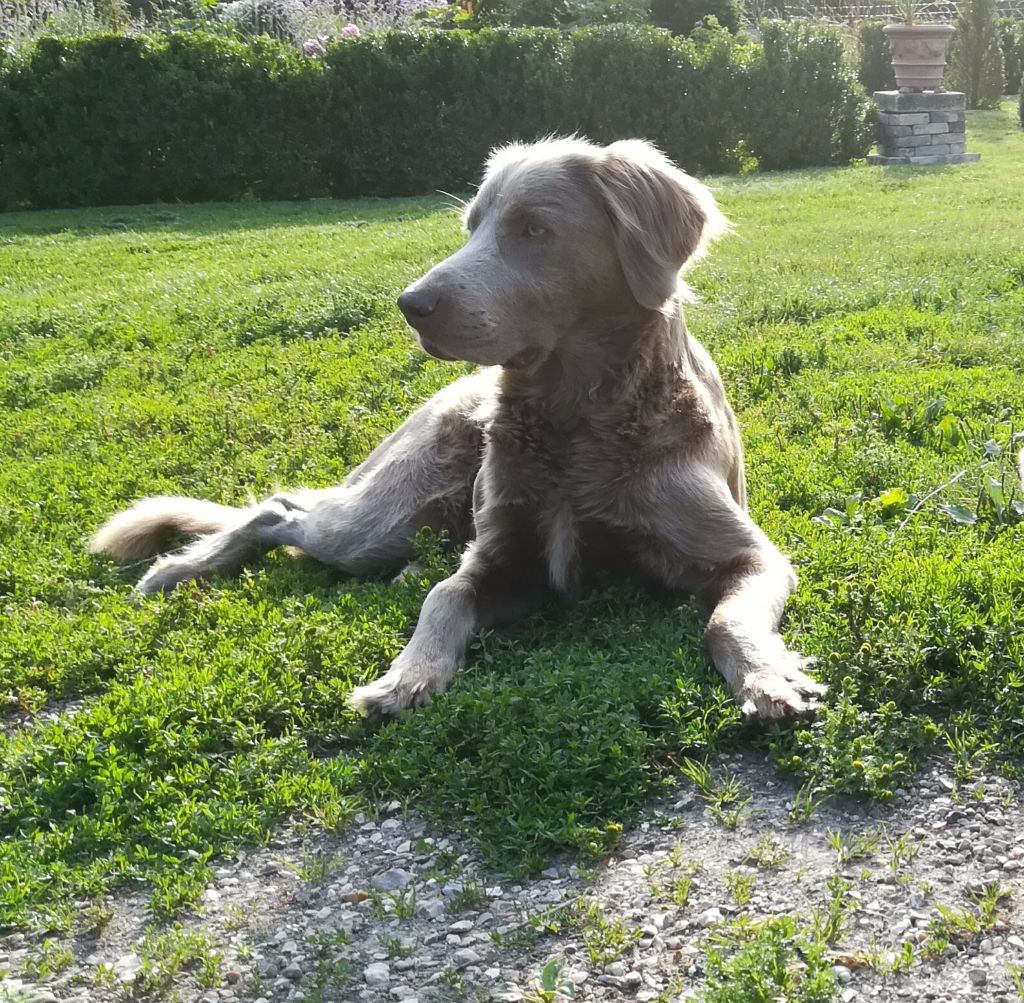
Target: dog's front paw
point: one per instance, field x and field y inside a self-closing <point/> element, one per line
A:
<point x="403" y="687"/>
<point x="780" y="692"/>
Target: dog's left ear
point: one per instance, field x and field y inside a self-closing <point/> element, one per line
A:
<point x="661" y="218"/>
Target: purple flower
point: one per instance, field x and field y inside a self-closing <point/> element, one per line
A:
<point x="350" y="31"/>
<point x="313" y="47"/>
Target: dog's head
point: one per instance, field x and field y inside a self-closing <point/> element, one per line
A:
<point x="561" y="233"/>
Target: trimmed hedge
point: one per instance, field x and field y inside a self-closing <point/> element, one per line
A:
<point x="804" y="99"/>
<point x="875" y="73"/>
<point x="113" y="119"/>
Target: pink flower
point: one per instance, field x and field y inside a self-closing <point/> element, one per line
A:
<point x="313" y="47"/>
<point x="350" y="31"/>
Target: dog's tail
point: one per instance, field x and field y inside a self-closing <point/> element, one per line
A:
<point x="150" y="526"/>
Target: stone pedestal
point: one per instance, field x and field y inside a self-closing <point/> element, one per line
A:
<point x="926" y="128"/>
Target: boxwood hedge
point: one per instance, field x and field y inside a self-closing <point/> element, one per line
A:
<point x="116" y="119"/>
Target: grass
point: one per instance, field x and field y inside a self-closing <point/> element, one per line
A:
<point x="765" y="960"/>
<point x="869" y="326"/>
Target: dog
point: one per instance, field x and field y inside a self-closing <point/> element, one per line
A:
<point x="597" y="438"/>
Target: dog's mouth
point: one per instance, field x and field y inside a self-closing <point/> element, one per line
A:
<point x="431" y="349"/>
<point x="525" y="359"/>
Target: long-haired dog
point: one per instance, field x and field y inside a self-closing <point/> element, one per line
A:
<point x="597" y="438"/>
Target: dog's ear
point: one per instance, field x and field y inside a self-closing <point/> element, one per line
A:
<point x="661" y="218"/>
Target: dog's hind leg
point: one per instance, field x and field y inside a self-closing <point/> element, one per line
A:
<point x="276" y="522"/>
<point x="420" y="476"/>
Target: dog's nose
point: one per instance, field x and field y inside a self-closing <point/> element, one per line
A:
<point x="417" y="304"/>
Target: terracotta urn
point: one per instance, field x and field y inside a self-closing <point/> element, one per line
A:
<point x="918" y="54"/>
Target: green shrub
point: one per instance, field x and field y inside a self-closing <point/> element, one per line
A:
<point x="408" y="114"/>
<point x="976" y="60"/>
<point x="805" y="106"/>
<point x="682" y="16"/>
<point x="560" y="13"/>
<point x="875" y="69"/>
<point x="700" y="82"/>
<point x="1011" y="41"/>
<point x="116" y="120"/>
<point x="113" y="119"/>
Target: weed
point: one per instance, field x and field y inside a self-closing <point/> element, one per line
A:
<point x="854" y="847"/>
<point x="759" y="961"/>
<point x="883" y="961"/>
<point x="988" y="901"/>
<point x="968" y="753"/>
<point x="805" y="802"/>
<point x="326" y="984"/>
<point x="53" y="957"/>
<point x="164" y="955"/>
<point x="453" y="978"/>
<point x="396" y="947"/>
<point x="550" y="987"/>
<point x="399" y="905"/>
<point x="329" y="939"/>
<point x="679" y="890"/>
<point x="1017" y="975"/>
<point x="898" y="962"/>
<point x="314" y="867"/>
<point x="767" y="852"/>
<point x="954" y="925"/>
<point x="104" y="976"/>
<point x="402" y="905"/>
<point x="830" y="920"/>
<point x="96" y="916"/>
<point x="901" y="851"/>
<point x="604" y="939"/>
<point x="724" y="794"/>
<point x="740" y="886"/>
<point x="522" y="938"/>
<point x="471" y="895"/>
<point x="234" y="917"/>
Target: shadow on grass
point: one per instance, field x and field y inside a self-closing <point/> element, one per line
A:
<point x="215" y="218"/>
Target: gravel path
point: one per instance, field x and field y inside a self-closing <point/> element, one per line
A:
<point x="391" y="909"/>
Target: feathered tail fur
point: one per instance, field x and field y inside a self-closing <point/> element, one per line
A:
<point x="151" y="526"/>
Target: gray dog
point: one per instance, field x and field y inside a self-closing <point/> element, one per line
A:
<point x="598" y="438"/>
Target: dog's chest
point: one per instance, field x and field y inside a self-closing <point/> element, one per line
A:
<point x="582" y="481"/>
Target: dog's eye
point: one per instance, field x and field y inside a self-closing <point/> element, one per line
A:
<point x="535" y="230"/>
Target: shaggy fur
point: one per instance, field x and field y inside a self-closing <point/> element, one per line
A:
<point x="599" y="437"/>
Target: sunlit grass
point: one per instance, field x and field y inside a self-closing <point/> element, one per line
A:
<point x="869" y="325"/>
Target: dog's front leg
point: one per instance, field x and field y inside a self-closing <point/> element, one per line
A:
<point x="434" y="654"/>
<point x="743" y="638"/>
<point x="737" y="573"/>
<point x="499" y="581"/>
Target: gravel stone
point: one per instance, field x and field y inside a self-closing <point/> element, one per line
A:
<point x="710" y="916"/>
<point x="289" y="932"/>
<point x="393" y="880"/>
<point x="127" y="968"/>
<point x="377" y="974"/>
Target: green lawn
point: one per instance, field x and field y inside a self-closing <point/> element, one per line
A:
<point x="870" y="326"/>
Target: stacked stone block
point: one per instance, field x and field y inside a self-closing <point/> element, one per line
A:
<point x="924" y="128"/>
